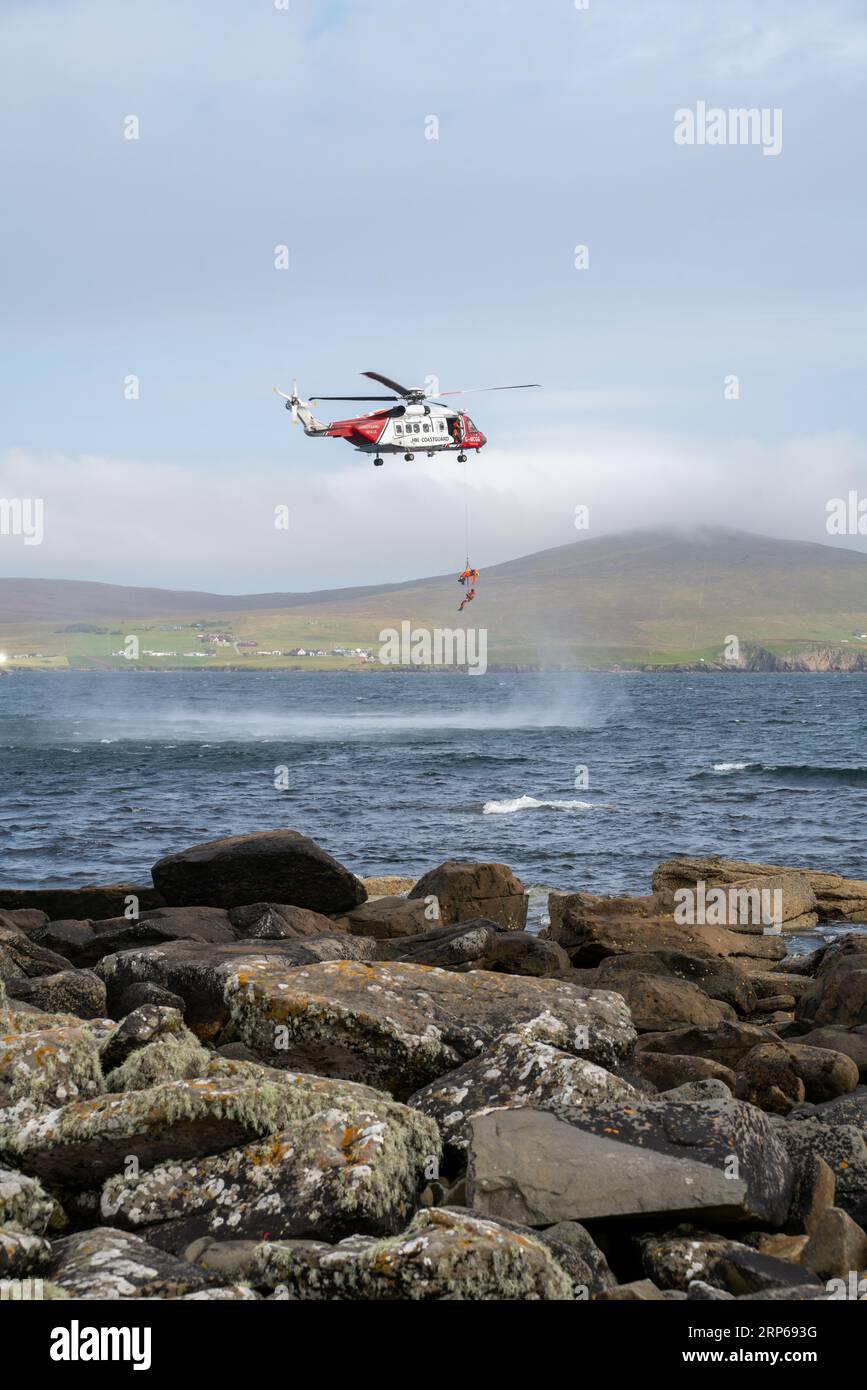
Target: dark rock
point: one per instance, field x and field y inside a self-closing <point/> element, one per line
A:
<point x="748" y="1272"/>
<point x="658" y="1003"/>
<point x="77" y="992"/>
<point x="813" y="1193"/>
<point x="21" y="956"/>
<point x="840" y="997"/>
<point x="79" y="904"/>
<point x="279" y="866"/>
<point x="843" y="1148"/>
<point x="280" y="921"/>
<point x="145" y="992"/>
<point x="639" y="1291"/>
<point x="726" y="1043"/>
<point x="848" y="1041"/>
<point x="668" y="1070"/>
<point x="464" y="890"/>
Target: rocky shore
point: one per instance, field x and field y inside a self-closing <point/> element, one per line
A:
<point x="260" y="1077"/>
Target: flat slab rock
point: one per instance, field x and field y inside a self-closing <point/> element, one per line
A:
<point x="442" y="1254"/>
<point x="837" y="898"/>
<point x="280" y="866"/>
<point x="235" y="1102"/>
<point x="355" y="1166"/>
<point x="399" y="1026"/>
<point x="629" y="1159"/>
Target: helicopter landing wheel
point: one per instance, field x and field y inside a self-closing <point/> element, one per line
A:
<point x="462" y="458"/>
<point x="409" y="457"/>
<point x="377" y="463"/>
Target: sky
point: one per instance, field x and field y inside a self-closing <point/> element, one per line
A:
<point x="706" y="363"/>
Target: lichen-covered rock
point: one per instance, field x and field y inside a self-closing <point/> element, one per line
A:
<point x="464" y="890"/>
<point x="441" y="1254"/>
<point x="77" y="992"/>
<point x="355" y="1166"/>
<point x="399" y="1026"/>
<point x="174" y="1057"/>
<point x="197" y="972"/>
<point x="525" y="1067"/>
<point x="110" y="1264"/>
<point x="279" y="866"/>
<point x="843" y="1148"/>
<point x="235" y="1102"/>
<point x="643" y="1157"/>
<point x="138" y="1028"/>
<point x="46" y="1068"/>
<point x="768" y="1077"/>
<point x="25" y="1205"/>
<point x="22" y="1254"/>
<point x="674" y="1260"/>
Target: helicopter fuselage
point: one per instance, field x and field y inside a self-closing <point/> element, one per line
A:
<point x="409" y="429"/>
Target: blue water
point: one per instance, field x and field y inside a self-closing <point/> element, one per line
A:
<point x="102" y="774"/>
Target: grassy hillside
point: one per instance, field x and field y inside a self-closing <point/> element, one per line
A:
<point x="645" y="598"/>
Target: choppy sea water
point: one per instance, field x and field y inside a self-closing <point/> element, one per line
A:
<point x="102" y="774"/>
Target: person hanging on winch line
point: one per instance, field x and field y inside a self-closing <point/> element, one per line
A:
<point x="468" y="577"/>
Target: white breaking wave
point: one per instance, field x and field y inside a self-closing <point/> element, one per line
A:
<point x="532" y="803"/>
<point x="730" y="767"/>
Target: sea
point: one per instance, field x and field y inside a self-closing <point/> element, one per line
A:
<point x="575" y="780"/>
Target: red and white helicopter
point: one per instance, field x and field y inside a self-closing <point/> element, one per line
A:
<point x="416" y="423"/>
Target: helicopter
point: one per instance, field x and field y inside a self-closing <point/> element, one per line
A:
<point x="414" y="423"/>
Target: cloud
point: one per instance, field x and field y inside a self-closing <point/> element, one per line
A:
<point x="176" y="526"/>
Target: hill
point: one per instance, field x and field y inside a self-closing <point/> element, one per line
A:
<point x="641" y="598"/>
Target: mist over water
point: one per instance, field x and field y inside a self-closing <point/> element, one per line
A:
<point x="100" y="775"/>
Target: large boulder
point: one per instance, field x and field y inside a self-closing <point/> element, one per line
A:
<point x="19" y="955"/>
<point x="837" y="898"/>
<point x="399" y="1026"/>
<point x="442" y="1254"/>
<point x="593" y="928"/>
<point x="465" y="889"/>
<point x="280" y="866"/>
<point x="395" y="916"/>
<point x="525" y="1067"/>
<point x="44" y="1068"/>
<point x="232" y="1104"/>
<point x="657" y="1003"/>
<point x="356" y="1165"/>
<point x="281" y="921"/>
<point x="197" y="972"/>
<point x="844" y="1149"/>
<point x="840" y="996"/>
<point x="715" y="1160"/>
<point x="852" y="1042"/>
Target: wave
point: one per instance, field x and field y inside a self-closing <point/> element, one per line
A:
<point x="798" y="773"/>
<point x="532" y="803"/>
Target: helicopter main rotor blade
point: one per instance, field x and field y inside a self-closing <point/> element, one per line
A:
<point x="355" y="398"/>
<point x="387" y="381"/>
<point x="472" y="390"/>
